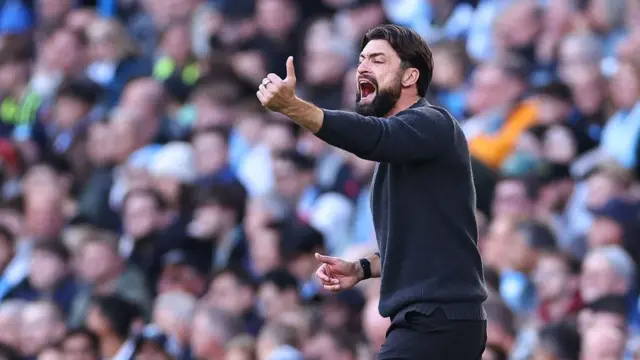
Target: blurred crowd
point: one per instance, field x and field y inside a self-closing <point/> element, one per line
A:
<point x="151" y="208"/>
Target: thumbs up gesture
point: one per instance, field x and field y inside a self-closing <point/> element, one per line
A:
<point x="277" y="94"/>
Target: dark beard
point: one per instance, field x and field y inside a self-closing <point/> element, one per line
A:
<point x="382" y="104"/>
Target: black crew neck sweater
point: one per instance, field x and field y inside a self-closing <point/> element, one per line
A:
<point x="423" y="205"/>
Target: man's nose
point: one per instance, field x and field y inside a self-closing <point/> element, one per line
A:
<point x="363" y="68"/>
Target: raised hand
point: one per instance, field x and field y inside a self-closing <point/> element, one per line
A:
<point x="276" y="94"/>
<point x="336" y="274"/>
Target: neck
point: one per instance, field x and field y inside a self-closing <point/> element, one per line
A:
<point x="109" y="345"/>
<point x="403" y="103"/>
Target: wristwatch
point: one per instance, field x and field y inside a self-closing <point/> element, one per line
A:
<point x="366" y="268"/>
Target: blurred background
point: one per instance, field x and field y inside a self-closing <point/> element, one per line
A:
<point x="151" y="209"/>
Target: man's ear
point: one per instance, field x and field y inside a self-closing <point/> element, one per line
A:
<point x="410" y="77"/>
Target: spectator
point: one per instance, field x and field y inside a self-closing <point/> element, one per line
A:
<point x="216" y="226"/>
<point x="81" y="344"/>
<point x="112" y="318"/>
<point x="104" y="270"/>
<point x="50" y="277"/>
<point x="212" y="158"/>
<point x="277" y="341"/>
<point x="182" y="271"/>
<point x="558" y="342"/>
<point x="42" y="325"/>
<point x="113" y="58"/>
<point x="557" y="280"/>
<point x="212" y="329"/>
<point x="609" y="310"/>
<point x="278" y="292"/>
<point x="153" y="344"/>
<point x="233" y="290"/>
<point x="173" y="313"/>
<point x="11" y="319"/>
<point x="603" y="343"/>
<point x="607" y="270"/>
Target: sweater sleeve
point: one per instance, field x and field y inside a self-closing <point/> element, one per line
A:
<point x="412" y="135"/>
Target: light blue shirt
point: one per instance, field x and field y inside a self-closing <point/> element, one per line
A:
<point x="620" y="136"/>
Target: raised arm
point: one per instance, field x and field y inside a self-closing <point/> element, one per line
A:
<point x="411" y="135"/>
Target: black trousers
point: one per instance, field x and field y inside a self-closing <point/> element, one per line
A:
<point x="416" y="336"/>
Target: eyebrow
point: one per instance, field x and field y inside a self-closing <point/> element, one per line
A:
<point x="371" y="55"/>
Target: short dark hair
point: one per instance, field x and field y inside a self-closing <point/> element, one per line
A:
<point x="94" y="341"/>
<point x="8" y="353"/>
<point x="302" y="162"/>
<point x="241" y="275"/>
<point x="159" y="202"/>
<point x="56" y="248"/>
<point x="119" y="312"/>
<point x="228" y="195"/>
<point x="537" y="235"/>
<point x="410" y="47"/>
<point x="223" y="131"/>
<point x="561" y="339"/>
<point x="85" y="91"/>
<point x="281" y="278"/>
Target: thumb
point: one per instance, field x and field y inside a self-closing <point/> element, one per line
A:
<point x="291" y="70"/>
<point x="326" y="259"/>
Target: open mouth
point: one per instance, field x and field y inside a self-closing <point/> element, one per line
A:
<point x="367" y="89"/>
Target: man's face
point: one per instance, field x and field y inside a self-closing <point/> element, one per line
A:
<point x="227" y="294"/>
<point x="209" y="221"/>
<point x="603" y="343"/>
<point x="290" y="183"/>
<point x="69" y="111"/>
<point x="551" y="278"/>
<point x="600" y="189"/>
<point x="97" y="261"/>
<point x="511" y="199"/>
<point x="379" y="79"/>
<point x="604" y="231"/>
<point x="599" y="279"/>
<point x="46" y="270"/>
<point x="485" y="90"/>
<point x="39" y="328"/>
<point x="211" y="153"/>
<point x="264" y="250"/>
<point x="78" y="347"/>
<point x="274" y="301"/>
<point x="204" y="343"/>
<point x="140" y="216"/>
